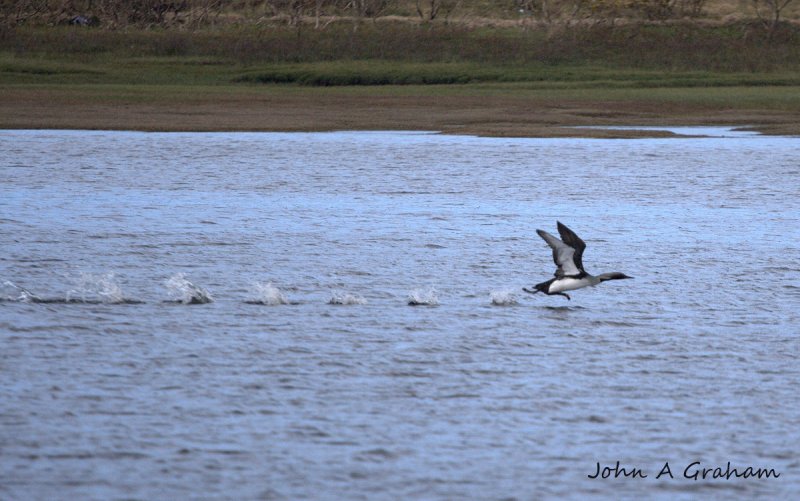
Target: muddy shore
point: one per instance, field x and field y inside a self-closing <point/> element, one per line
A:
<point x="257" y="109"/>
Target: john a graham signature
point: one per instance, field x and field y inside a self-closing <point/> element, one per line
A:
<point x="693" y="471"/>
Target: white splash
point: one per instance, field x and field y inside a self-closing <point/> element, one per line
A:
<point x="183" y="291"/>
<point x="339" y="297"/>
<point x="420" y="297"/>
<point x="266" y="293"/>
<point x="102" y="287"/>
<point x="504" y="298"/>
<point x="13" y="292"/>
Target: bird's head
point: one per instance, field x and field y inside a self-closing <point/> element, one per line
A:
<point x="614" y="275"/>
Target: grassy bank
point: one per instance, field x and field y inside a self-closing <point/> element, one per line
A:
<point x="495" y="81"/>
<point x="641" y="55"/>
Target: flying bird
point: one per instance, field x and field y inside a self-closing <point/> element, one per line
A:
<point x="570" y="275"/>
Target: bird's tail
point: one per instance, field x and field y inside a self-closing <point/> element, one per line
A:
<point x="542" y="287"/>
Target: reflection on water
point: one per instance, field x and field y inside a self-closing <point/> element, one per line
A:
<point x="687" y="131"/>
<point x="309" y="376"/>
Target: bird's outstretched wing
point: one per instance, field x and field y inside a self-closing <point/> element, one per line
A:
<point x="563" y="255"/>
<point x="571" y="239"/>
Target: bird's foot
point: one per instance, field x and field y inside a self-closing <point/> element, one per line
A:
<point x="565" y="295"/>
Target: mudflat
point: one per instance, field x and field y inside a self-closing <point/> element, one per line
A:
<point x="488" y="110"/>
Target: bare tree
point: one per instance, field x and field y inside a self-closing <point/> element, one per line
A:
<point x="206" y="11"/>
<point x="369" y="8"/>
<point x="428" y="10"/>
<point x="536" y="8"/>
<point x="321" y="7"/>
<point x="139" y="12"/>
<point x="15" y="12"/>
<point x="692" y="8"/>
<point x="652" y="9"/>
<point x="293" y="9"/>
<point x="318" y="4"/>
<point x="363" y="9"/>
<point x="769" y="11"/>
<point x="551" y="11"/>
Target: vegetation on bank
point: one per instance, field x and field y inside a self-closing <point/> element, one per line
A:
<point x="632" y="55"/>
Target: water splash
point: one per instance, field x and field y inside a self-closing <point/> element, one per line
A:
<point x="345" y="298"/>
<point x="96" y="288"/>
<point x="183" y="291"/>
<point x="504" y="298"/>
<point x="420" y="297"/>
<point x="266" y="293"/>
<point x="14" y="292"/>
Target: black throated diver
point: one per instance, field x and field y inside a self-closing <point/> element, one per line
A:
<point x="570" y="275"/>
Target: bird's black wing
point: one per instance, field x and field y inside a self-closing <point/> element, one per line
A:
<point x="570" y="238"/>
<point x="562" y="255"/>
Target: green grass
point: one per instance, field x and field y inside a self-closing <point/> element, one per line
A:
<point x="365" y="73"/>
<point x="775" y="98"/>
<point x="105" y="69"/>
<point x="192" y="71"/>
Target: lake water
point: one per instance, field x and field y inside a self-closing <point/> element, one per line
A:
<point x="309" y="376"/>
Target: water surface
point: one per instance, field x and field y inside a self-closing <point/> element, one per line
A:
<point x="305" y="374"/>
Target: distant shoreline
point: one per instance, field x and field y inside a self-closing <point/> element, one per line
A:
<point x="399" y="76"/>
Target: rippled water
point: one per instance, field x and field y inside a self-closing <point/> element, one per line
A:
<point x="227" y="316"/>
